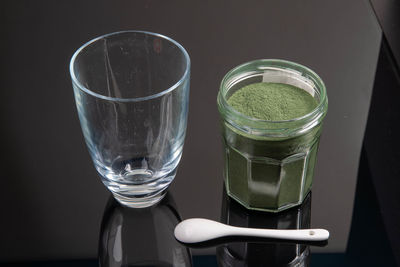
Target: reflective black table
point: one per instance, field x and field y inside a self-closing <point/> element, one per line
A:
<point x="144" y="237"/>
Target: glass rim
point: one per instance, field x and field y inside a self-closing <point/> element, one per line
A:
<point x="131" y="99"/>
<point x="227" y="111"/>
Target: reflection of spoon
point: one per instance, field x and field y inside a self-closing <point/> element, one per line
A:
<point x="199" y="230"/>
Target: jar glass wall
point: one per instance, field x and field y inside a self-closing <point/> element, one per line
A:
<point x="269" y="165"/>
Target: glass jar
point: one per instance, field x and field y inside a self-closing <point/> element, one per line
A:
<point x="269" y="165"/>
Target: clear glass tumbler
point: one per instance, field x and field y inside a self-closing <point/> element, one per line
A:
<point x="132" y="91"/>
<point x="269" y="165"/>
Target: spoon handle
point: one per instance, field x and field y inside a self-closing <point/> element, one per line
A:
<point x="302" y="234"/>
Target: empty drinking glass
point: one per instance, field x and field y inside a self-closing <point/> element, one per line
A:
<point x="132" y="90"/>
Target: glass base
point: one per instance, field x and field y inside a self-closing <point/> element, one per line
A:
<point x="141" y="195"/>
<point x="140" y="202"/>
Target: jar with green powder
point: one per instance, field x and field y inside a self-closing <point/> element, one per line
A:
<point x="271" y="113"/>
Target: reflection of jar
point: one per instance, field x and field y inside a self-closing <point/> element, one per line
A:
<point x="141" y="237"/>
<point x="263" y="253"/>
<point x="269" y="165"/>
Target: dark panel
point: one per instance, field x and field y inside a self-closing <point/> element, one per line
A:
<point x="388" y="15"/>
<point x="364" y="241"/>
<point x="382" y="143"/>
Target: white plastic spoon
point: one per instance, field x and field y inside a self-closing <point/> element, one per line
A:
<point x="199" y="230"/>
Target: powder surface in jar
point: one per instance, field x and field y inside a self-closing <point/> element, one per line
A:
<point x="272" y="101"/>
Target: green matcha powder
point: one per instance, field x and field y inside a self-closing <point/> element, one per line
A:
<point x="272" y="101"/>
<point x="252" y="179"/>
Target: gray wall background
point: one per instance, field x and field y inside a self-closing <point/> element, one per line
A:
<point x="53" y="201"/>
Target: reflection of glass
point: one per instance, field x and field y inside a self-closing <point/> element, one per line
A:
<point x="141" y="237"/>
<point x="269" y="165"/>
<point x="132" y="91"/>
<point x="262" y="253"/>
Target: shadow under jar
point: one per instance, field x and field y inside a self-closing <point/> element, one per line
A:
<point x="269" y="165"/>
